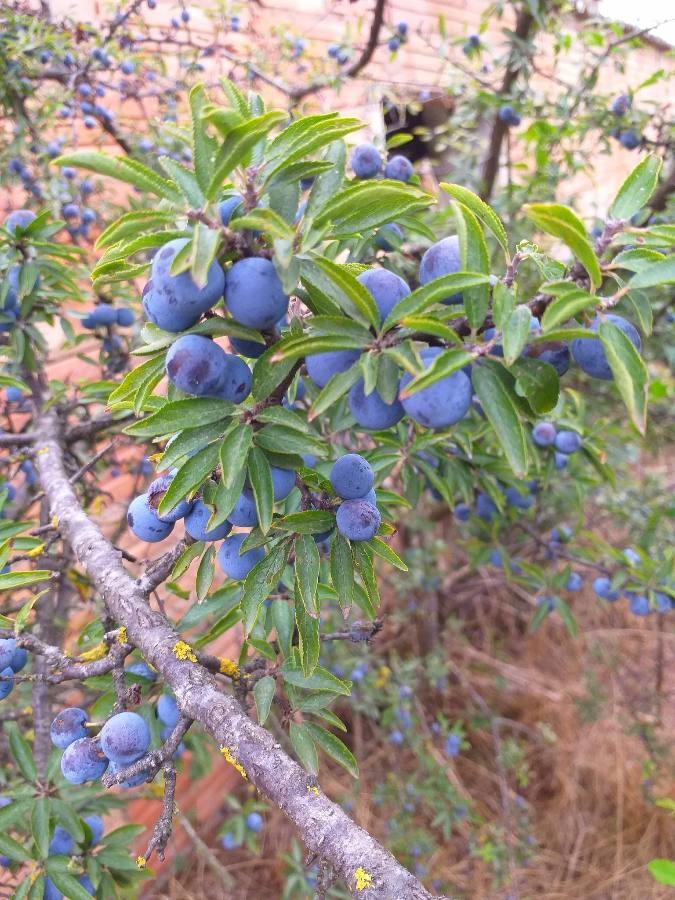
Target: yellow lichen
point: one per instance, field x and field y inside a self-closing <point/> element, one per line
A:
<point x="122" y="636"/>
<point x="383" y="674"/>
<point x="141" y="862"/>
<point x="233" y="762"/>
<point x="55" y="522"/>
<point x="229" y="668"/>
<point x="36" y="551"/>
<point x="363" y="879"/>
<point x="312" y="789"/>
<point x="98" y="651"/>
<point x="181" y="650"/>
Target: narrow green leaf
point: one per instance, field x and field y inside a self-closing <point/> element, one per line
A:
<point x="260" y="476"/>
<point x="637" y="188"/>
<point x="307" y="565"/>
<point x="233" y="452"/>
<point x="343" y="288"/>
<point x="122" y="168"/>
<point x="342" y="570"/>
<point x="320" y="680"/>
<point x="434" y="292"/>
<point x="283" y="617"/>
<point x="385" y="552"/>
<point x="40" y="825"/>
<point x="11" y="580"/>
<point x="304" y="747"/>
<point x="203" y="146"/>
<point x="10" y="847"/>
<point x="538" y="383"/>
<point x="237" y="145"/>
<point x="515" y="333"/>
<point x="205" y="572"/>
<point x="174" y="416"/>
<point x="21" y="752"/>
<point x="334" y="747"/>
<point x="263" y="694"/>
<point x="475" y="258"/>
<point x="308" y="638"/>
<point x="562" y="223"/>
<point x="260" y="581"/>
<point x="658" y="273"/>
<point x="481" y="210"/>
<point x="502" y="414"/>
<point x="189" y="477"/>
<point x="566" y="307"/>
<point x="203" y="250"/>
<point x="630" y="372"/>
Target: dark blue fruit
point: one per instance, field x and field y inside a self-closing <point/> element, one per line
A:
<point x="385" y="287"/>
<point x="125" y="737"/>
<point x="196" y="365"/>
<point x="83" y="761"/>
<point x="366" y="161"/>
<point x="244" y="513"/>
<point x="351" y="476"/>
<point x="589" y="354"/>
<point x="568" y="441"/>
<point x="371" y="411"/>
<point x="61" y="843"/>
<point x="145" y="523"/>
<point x="175" y="302"/>
<point x="254" y="294"/>
<point x="399" y="168"/>
<point x="227" y="207"/>
<point x="358" y="520"/>
<point x="442" y="258"/>
<point x="442" y="403"/>
<point x="322" y="366"/>
<point x="386" y="233"/>
<point x="68" y="726"/>
<point x="19" y="219"/>
<point x="155" y="493"/>
<point x="236" y="565"/>
<point x="544" y="434"/>
<point x="167" y="710"/>
<point x="197" y="520"/>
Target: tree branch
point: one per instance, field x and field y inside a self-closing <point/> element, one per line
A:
<point x="323" y="825"/>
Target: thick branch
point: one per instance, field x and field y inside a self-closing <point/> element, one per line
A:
<point x="323" y="825"/>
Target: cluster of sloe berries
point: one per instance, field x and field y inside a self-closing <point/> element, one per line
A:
<point x="12" y="660"/>
<point x="627" y="137"/>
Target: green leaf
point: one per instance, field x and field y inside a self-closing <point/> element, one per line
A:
<point x="307" y="565"/>
<point x="309" y="643"/>
<point x="203" y="250"/>
<point x="304" y="747"/>
<point x="151" y="369"/>
<point x="444" y="364"/>
<point x="268" y="374"/>
<point x="17" y="853"/>
<point x="260" y="581"/>
<point x="630" y="372"/>
<point x="233" y="452"/>
<point x="491" y="387"/>
<point x="189" y="477"/>
<point x="368" y="204"/>
<point x="310" y="521"/>
<point x="662" y="870"/>
<point x="264" y="220"/>
<point x="481" y="210"/>
<point x="475" y="258"/>
<point x="281" y="439"/>
<point x="385" y="552"/>
<point x="343" y="288"/>
<point x="326" y="186"/>
<point x="237" y="145"/>
<point x="205" y="573"/>
<point x="342" y="570"/>
<point x="658" y="273"/>
<point x="130" y="224"/>
<point x="320" y="679"/>
<point x="307" y="135"/>
<point x="334" y="747"/>
<point x="122" y="168"/>
<point x="566" y="307"/>
<point x="203" y="146"/>
<point x="562" y="223"/>
<point x="185" y="179"/>
<point x="434" y="292"/>
<point x="283" y="617"/>
<point x="363" y="558"/>
<point x="68" y="818"/>
<point x="21" y="752"/>
<point x="637" y="188"/>
<point x="174" y="416"/>
<point x="538" y="383"/>
<point x="186" y="558"/>
<point x="515" y="333"/>
<point x="40" y="825"/>
<point x="263" y="694"/>
<point x="68" y="885"/>
<point x="15" y="811"/>
<point x="260" y="476"/>
<point x="11" y="580"/>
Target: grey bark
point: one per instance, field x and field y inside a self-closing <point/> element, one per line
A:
<point x="323" y="825"/>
